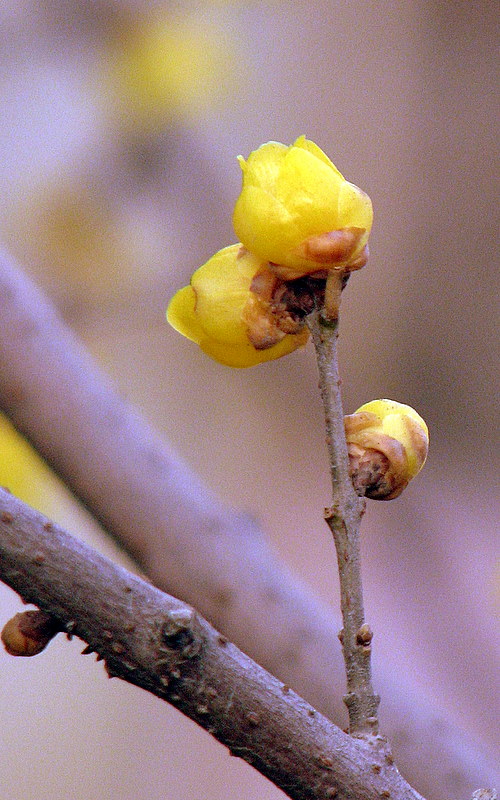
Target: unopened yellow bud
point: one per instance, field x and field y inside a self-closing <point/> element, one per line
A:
<point x="298" y="212"/>
<point x="387" y="443"/>
<point x="226" y="310"/>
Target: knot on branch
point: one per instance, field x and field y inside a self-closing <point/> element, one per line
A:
<point x="181" y="634"/>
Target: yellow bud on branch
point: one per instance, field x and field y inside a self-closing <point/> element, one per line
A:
<point x="387" y="444"/>
<point x="297" y="211"/>
<point x="227" y="310"/>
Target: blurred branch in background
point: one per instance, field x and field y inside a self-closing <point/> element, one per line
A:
<point x="185" y="540"/>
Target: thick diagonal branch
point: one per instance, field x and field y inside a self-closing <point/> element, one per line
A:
<point x="158" y="643"/>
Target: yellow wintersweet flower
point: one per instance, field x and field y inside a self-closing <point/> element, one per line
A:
<point x="297" y="211"/>
<point x="23" y="471"/>
<point x="387" y="443"/>
<point x="170" y="67"/>
<point x="229" y="321"/>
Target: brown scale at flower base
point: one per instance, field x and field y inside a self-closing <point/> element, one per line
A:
<point x="276" y="307"/>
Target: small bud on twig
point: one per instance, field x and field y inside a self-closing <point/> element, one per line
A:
<point x="29" y="632"/>
<point x="364" y="635"/>
<point x="387" y="444"/>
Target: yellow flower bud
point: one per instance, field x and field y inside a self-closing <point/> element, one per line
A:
<point x="297" y="211"/>
<point x="226" y="310"/>
<point x="387" y="443"/>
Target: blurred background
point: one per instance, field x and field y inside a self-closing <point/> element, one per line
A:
<point x="121" y="123"/>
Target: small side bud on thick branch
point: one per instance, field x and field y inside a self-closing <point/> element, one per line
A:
<point x="29" y="632"/>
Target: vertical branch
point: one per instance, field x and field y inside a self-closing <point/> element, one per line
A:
<point x="343" y="518"/>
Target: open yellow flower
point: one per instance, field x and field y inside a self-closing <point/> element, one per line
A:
<point x="387" y="443"/>
<point x="296" y="210"/>
<point x="220" y="312"/>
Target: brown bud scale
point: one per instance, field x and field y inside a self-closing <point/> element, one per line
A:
<point x="29" y="632"/>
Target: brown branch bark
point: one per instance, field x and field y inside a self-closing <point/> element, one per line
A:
<point x="188" y="543"/>
<point x="344" y="519"/>
<point x="162" y="645"/>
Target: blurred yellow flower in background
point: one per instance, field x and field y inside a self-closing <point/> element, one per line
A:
<point x="23" y="471"/>
<point x="166" y="68"/>
<point x="297" y="211"/>
<point x="93" y="225"/>
<point x="82" y="238"/>
<point x="219" y="311"/>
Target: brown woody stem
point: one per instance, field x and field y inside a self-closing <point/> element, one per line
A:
<point x="343" y="518"/>
<point x="333" y="291"/>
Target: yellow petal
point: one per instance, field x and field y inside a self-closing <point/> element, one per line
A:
<point x="241" y="356"/>
<point x="263" y="165"/>
<point x="309" y="189"/>
<point x="307" y="144"/>
<point x="354" y="208"/>
<point x="264" y="225"/>
<point x="383" y="408"/>
<point x="181" y="314"/>
<point x="221" y="287"/>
